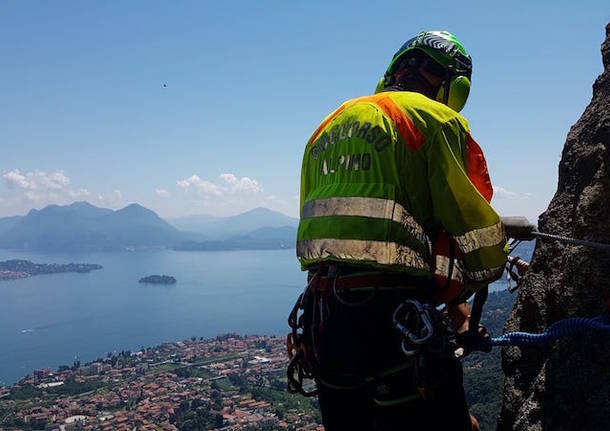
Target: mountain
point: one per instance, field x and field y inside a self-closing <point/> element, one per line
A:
<point x="81" y="226"/>
<point x="265" y="238"/>
<point x="85" y="227"/>
<point x="221" y="228"/>
<point x="7" y="223"/>
<point x="201" y="223"/>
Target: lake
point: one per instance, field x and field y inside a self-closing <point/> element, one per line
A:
<point x="52" y="320"/>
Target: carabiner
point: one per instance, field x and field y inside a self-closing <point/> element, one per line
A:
<point x="425" y="331"/>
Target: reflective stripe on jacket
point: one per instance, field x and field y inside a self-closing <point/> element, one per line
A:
<point x="380" y="173"/>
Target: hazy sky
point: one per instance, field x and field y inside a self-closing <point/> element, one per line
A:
<point x="205" y="107"/>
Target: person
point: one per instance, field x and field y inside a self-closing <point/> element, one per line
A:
<point x="394" y="209"/>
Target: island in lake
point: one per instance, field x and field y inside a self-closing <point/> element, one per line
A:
<point x="158" y="279"/>
<point x="16" y="268"/>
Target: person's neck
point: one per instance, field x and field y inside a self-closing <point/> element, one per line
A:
<point x="416" y="83"/>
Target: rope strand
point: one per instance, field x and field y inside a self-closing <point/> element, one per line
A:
<point x="598" y="245"/>
<point x="562" y="328"/>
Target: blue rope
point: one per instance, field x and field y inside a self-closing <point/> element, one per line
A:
<point x="559" y="329"/>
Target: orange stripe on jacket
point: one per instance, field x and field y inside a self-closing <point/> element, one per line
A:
<point x="476" y="167"/>
<point x="409" y="133"/>
<point x="327" y="120"/>
<point x="407" y="130"/>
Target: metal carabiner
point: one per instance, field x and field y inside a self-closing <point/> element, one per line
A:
<point x="424" y="325"/>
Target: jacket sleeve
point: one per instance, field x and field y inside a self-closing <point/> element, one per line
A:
<point x="462" y="210"/>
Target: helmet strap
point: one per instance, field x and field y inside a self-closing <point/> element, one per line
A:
<point x="446" y="85"/>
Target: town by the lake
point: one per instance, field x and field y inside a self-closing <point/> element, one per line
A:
<point x="230" y="382"/>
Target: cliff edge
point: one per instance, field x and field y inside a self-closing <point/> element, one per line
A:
<point x="566" y="386"/>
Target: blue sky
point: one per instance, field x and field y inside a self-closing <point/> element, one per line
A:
<point x="85" y="115"/>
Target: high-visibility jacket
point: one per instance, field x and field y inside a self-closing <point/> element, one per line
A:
<point x="384" y="173"/>
<point x="447" y="258"/>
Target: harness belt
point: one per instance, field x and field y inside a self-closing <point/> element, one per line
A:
<point x="344" y="278"/>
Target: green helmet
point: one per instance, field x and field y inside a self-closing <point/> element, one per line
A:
<point x="447" y="52"/>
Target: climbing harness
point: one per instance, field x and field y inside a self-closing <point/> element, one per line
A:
<point x="309" y="316"/>
<point x="312" y="311"/>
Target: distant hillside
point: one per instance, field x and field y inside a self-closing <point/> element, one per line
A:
<point x="222" y="228"/>
<point x="265" y="238"/>
<point x="7" y="223"/>
<point x="85" y="227"/>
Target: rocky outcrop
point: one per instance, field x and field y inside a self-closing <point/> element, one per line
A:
<point x="566" y="386"/>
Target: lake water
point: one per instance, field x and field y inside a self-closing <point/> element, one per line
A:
<point x="49" y="320"/>
<point x="52" y="320"/>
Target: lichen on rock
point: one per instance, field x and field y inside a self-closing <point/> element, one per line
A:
<point x="566" y="386"/>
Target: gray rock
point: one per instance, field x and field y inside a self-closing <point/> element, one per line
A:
<point x="566" y="386"/>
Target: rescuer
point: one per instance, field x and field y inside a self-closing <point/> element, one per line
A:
<point x="394" y="206"/>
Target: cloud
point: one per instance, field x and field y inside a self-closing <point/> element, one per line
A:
<point x="227" y="187"/>
<point x="35" y="189"/>
<point x="111" y="199"/>
<point x="79" y="194"/>
<point x="41" y="197"/>
<point x="502" y="193"/>
<point x="227" y="194"/>
<point x="162" y="193"/>
<point x="243" y="184"/>
<point x="42" y="187"/>
<point x="39" y="181"/>
<point x="204" y="188"/>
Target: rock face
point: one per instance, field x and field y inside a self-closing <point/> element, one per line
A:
<point x="566" y="386"/>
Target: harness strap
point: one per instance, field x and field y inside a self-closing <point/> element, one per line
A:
<point x="370" y="280"/>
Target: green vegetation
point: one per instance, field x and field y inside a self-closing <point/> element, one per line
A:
<point x="164" y="368"/>
<point x="196" y="415"/>
<point x="25" y="392"/>
<point x="274" y="392"/>
<point x="186" y="372"/>
<point x="71" y="387"/>
<point x="225" y="385"/>
<point x="283" y="401"/>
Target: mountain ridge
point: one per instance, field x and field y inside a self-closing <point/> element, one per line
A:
<point x="215" y="228"/>
<point x="82" y="226"/>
